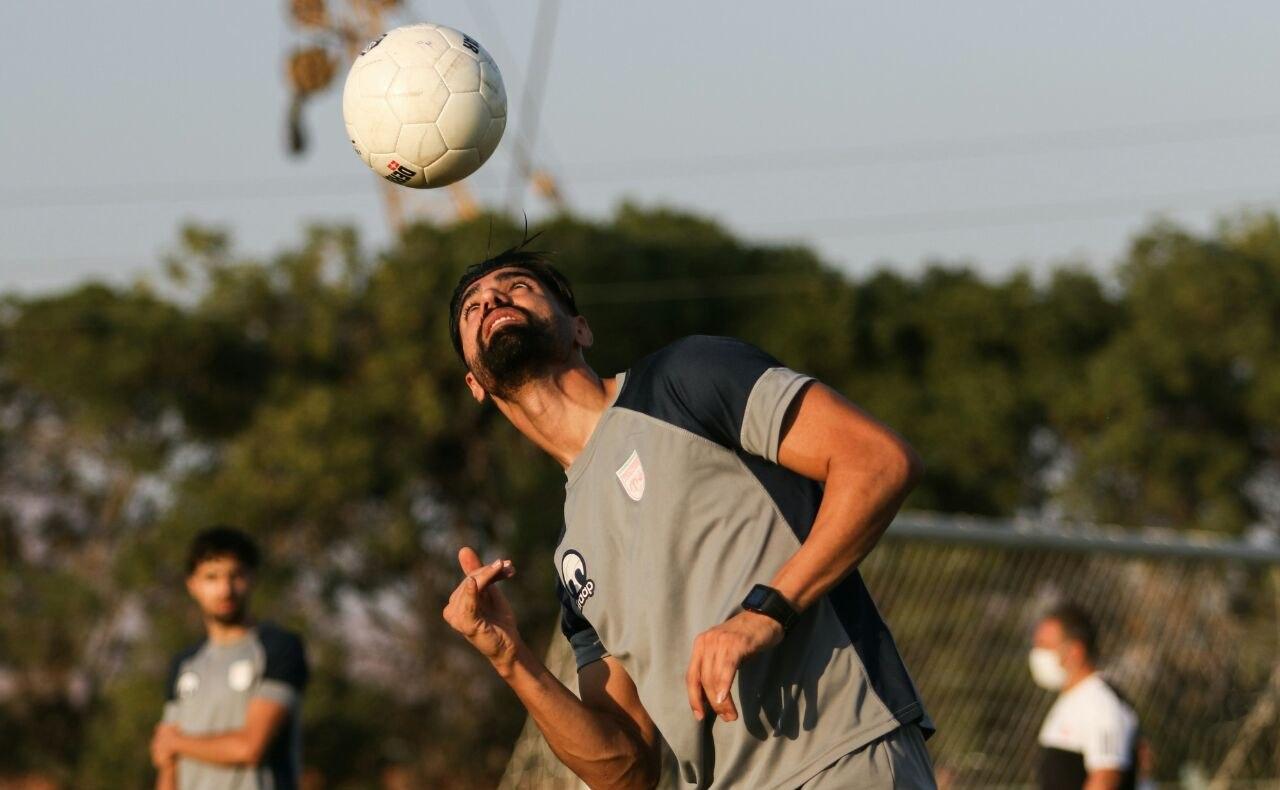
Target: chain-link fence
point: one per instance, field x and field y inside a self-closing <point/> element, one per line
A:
<point x="1189" y="633"/>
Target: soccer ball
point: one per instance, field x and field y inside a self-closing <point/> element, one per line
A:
<point x="424" y="106"/>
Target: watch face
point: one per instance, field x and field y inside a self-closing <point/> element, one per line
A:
<point x="756" y="598"/>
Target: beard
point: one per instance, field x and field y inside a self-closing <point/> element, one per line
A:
<point x="234" y="616"/>
<point x="517" y="354"/>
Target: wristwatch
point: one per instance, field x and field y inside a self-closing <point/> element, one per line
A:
<point x="767" y="601"/>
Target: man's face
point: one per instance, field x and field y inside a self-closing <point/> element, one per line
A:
<point x="221" y="587"/>
<point x="1050" y="636"/>
<point x="512" y="331"/>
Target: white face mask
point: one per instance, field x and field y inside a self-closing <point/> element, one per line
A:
<point x="1046" y="669"/>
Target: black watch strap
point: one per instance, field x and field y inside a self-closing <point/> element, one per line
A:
<point x="767" y="601"/>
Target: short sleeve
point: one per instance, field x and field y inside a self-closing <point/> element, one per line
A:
<point x="170" y="713"/>
<point x="734" y="393"/>
<point x="285" y="675"/>
<point x="582" y="637"/>
<point x="1108" y="744"/>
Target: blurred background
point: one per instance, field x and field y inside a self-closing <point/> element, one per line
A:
<point x="1041" y="242"/>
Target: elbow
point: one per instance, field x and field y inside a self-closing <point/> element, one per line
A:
<point x="643" y="773"/>
<point x="903" y="468"/>
<point x="915" y="468"/>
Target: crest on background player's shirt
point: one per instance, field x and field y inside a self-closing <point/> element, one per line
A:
<point x="631" y="475"/>
<point x="188" y="683"/>
<point x="573" y="572"/>
<point x="240" y="675"/>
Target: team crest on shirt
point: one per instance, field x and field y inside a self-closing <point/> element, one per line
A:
<point x="631" y="475"/>
<point x="188" y="683"/>
<point x="240" y="675"/>
<point x="573" y="572"/>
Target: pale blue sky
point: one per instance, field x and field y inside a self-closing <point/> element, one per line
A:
<point x="1000" y="133"/>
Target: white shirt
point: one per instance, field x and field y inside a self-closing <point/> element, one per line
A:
<point x="1091" y="720"/>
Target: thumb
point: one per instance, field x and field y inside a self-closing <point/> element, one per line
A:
<point x="468" y="559"/>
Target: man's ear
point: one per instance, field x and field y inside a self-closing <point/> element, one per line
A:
<point x="477" y="391"/>
<point x="1075" y="655"/>
<point x="582" y="335"/>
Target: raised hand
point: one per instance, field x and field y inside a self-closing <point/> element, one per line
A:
<point x="478" y="610"/>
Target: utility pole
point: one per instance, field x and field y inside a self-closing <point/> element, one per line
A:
<point x="530" y="109"/>
<point x="339" y="38"/>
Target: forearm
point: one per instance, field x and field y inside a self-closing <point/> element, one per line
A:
<point x="602" y="750"/>
<point x="226" y="748"/>
<point x="857" y="506"/>
<point x="1103" y="780"/>
<point x="167" y="776"/>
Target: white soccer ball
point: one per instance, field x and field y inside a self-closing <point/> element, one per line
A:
<point x="424" y="106"/>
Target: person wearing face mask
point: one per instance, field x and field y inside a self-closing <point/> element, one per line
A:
<point x="1090" y="738"/>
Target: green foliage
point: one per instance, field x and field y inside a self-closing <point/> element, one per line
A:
<point x="315" y="400"/>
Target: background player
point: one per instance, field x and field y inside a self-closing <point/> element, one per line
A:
<point x="231" y="717"/>
<point x="1090" y="737"/>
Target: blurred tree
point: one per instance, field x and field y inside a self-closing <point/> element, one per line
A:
<point x="315" y="400"/>
<point x="1178" y="412"/>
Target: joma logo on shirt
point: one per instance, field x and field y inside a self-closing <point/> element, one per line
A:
<point x="573" y="571"/>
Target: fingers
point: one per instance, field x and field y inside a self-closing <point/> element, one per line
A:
<point x="718" y="670"/>
<point x="463" y="612"/>
<point x="494" y="571"/>
<point x="467" y="598"/>
<point x="693" y="683"/>
<point x="709" y="679"/>
<point x="484" y="574"/>
<point x="469" y="560"/>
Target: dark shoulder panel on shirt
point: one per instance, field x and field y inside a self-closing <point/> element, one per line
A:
<point x="175" y="668"/>
<point x="700" y="383"/>
<point x="285" y="654"/>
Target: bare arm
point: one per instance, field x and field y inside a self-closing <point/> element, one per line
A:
<point x="606" y="737"/>
<point x="1103" y="780"/>
<point x="867" y="471"/>
<point x="167" y="775"/>
<point x="245" y="746"/>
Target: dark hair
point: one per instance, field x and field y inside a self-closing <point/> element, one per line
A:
<point x="222" y="541"/>
<point x="537" y="264"/>
<point x="1076" y="625"/>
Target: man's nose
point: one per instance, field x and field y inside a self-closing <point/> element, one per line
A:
<point x="493" y="298"/>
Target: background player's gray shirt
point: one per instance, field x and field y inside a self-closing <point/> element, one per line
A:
<point x="675" y="508"/>
<point x="209" y="689"/>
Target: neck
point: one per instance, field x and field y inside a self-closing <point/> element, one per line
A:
<point x="224" y="633"/>
<point x="559" y="412"/>
<point x="1076" y="676"/>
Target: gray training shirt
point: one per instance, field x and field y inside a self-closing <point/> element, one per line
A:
<point x="208" y="693"/>
<point x="675" y="508"/>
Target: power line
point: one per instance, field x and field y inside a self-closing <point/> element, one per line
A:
<point x="926" y="151"/>
<point x="1023" y="213"/>
<point x="1135" y="136"/>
